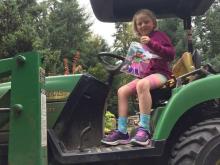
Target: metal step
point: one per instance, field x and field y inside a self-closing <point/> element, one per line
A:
<point x="102" y="153"/>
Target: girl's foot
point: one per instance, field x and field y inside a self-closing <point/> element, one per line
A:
<point x="115" y="138"/>
<point x="142" y="137"/>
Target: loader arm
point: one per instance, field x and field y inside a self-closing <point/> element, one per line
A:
<point x="27" y="110"/>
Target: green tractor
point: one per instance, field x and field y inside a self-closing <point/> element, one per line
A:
<point x="59" y="120"/>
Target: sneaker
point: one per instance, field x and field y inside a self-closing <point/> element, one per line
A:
<point x="115" y="138"/>
<point x="142" y="137"/>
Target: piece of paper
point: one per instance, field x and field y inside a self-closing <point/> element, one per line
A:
<point x="137" y="60"/>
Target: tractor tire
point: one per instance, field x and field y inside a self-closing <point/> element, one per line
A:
<point x="200" y="145"/>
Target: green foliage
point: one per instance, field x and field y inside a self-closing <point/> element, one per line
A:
<point x="53" y="28"/>
<point x="123" y="37"/>
<point x="91" y="47"/>
<point x="68" y="26"/>
<point x="110" y="122"/>
<point x="207" y="33"/>
<point x="215" y="62"/>
<point x="98" y="71"/>
<point x="51" y="61"/>
<point x="18" y="30"/>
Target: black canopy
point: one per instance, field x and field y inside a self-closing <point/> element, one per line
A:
<point x="123" y="10"/>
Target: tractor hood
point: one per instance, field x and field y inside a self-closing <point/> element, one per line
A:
<point x="123" y="10"/>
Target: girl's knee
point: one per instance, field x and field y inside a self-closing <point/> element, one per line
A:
<point x="143" y="85"/>
<point x="123" y="91"/>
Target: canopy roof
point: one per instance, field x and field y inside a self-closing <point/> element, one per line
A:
<point x="123" y="10"/>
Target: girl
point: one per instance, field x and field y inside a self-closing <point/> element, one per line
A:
<point x="157" y="73"/>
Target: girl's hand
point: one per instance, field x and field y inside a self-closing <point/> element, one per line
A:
<point x="144" y="39"/>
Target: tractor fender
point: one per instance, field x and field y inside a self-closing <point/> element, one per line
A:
<point x="184" y="98"/>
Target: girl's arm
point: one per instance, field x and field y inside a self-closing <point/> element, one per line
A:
<point x="162" y="46"/>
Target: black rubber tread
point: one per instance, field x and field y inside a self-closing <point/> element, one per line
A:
<point x="193" y="141"/>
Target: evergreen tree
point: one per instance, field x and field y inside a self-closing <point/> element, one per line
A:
<point x="123" y="37"/>
<point x="91" y="47"/>
<point x="18" y="32"/>
<point x="68" y="30"/>
<point x="207" y="34"/>
<point x="68" y="26"/>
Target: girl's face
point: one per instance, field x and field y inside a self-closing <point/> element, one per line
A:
<point x="144" y="24"/>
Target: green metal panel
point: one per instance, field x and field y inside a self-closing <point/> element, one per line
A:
<point x="53" y="112"/>
<point x="28" y="134"/>
<point x="188" y="96"/>
<point x="155" y="115"/>
<point x="58" y="89"/>
<point x="64" y="82"/>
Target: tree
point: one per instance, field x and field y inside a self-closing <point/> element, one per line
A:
<point x="54" y="28"/>
<point x="68" y="26"/>
<point x="207" y="34"/>
<point x="67" y="31"/>
<point x="123" y="37"/>
<point x="98" y="71"/>
<point x="91" y="47"/>
<point x="18" y="32"/>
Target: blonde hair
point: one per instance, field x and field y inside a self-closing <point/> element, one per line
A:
<point x="146" y="12"/>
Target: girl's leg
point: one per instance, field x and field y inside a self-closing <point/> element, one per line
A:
<point x="121" y="136"/>
<point x="145" y="102"/>
<point x="143" y="90"/>
<point x="124" y="93"/>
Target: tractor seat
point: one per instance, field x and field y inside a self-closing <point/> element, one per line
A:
<point x="183" y="65"/>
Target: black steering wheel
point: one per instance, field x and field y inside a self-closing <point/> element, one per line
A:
<point x="111" y="62"/>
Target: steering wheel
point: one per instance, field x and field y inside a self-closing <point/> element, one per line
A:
<point x="111" y="62"/>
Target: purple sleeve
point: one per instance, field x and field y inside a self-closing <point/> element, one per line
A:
<point x="162" y="46"/>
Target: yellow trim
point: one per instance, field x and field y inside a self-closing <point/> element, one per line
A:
<point x="57" y="95"/>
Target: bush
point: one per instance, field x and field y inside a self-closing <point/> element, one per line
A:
<point x="110" y="122"/>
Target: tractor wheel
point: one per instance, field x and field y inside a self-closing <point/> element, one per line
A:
<point x="200" y="145"/>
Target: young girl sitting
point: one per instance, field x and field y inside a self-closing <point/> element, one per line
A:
<point x="157" y="73"/>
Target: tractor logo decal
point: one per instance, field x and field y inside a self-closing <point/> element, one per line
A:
<point x="57" y="95"/>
